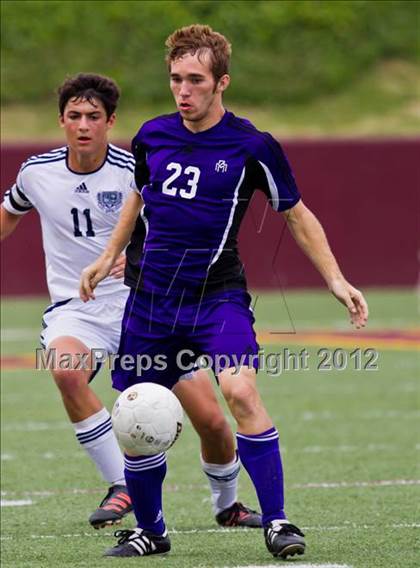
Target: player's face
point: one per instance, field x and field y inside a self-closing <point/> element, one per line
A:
<point x="197" y="94"/>
<point x="86" y="125"/>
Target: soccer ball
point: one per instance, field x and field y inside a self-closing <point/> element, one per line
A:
<point x="147" y="419"/>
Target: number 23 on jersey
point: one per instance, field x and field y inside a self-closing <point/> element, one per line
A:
<point x="193" y="174"/>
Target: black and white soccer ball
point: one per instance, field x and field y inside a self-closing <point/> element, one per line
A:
<point x="147" y="419"/>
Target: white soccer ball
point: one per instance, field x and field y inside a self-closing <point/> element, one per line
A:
<point x="147" y="419"/>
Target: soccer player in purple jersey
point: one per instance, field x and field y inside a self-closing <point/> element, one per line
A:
<point x="196" y="171"/>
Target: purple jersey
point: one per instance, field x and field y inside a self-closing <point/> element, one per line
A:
<point x="196" y="188"/>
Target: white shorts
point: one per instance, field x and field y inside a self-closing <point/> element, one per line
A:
<point x="97" y="323"/>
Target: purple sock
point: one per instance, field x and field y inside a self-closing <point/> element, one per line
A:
<point x="144" y="476"/>
<point x="260" y="455"/>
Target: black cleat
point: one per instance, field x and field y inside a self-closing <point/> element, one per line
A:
<point x="239" y="516"/>
<point x="115" y="505"/>
<point x="283" y="539"/>
<point x="139" y="542"/>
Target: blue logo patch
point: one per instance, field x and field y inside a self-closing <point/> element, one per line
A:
<point x="110" y="201"/>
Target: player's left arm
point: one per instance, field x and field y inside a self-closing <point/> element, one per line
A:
<point x="310" y="236"/>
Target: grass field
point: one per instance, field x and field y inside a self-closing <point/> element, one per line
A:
<point x="349" y="438"/>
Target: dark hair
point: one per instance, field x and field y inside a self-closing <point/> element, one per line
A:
<point x="200" y="39"/>
<point x="89" y="86"/>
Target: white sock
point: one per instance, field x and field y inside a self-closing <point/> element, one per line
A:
<point x="96" y="436"/>
<point x="223" y="479"/>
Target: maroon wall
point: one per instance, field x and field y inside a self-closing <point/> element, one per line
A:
<point x="365" y="192"/>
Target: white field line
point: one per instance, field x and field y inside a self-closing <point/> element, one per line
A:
<point x="305" y="528"/>
<point x="298" y="565"/>
<point x="346" y="449"/>
<point x="16" y="503"/>
<point x="76" y="491"/>
<point x="306" y="450"/>
<point x="199" y="487"/>
<point x="7" y="457"/>
<point x="19" y="333"/>
<point x="352" y="484"/>
<point x="34" y="426"/>
<point x="372" y="414"/>
<point x="214" y="531"/>
<point x="58" y="456"/>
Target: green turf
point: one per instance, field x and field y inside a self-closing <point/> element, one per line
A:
<point x="348" y="426"/>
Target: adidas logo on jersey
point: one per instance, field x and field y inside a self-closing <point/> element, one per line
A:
<point x="81" y="188"/>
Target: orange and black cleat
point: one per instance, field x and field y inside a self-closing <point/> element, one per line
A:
<point x="237" y="515"/>
<point x="115" y="505"/>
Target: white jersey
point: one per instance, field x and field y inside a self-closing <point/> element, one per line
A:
<point x="77" y="211"/>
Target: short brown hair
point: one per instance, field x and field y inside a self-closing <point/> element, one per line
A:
<point x="89" y="86"/>
<point x="200" y="39"/>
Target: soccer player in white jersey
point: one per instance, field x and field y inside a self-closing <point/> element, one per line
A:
<point x="78" y="191"/>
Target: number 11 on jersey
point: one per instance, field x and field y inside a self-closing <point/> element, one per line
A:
<point x="76" y="225"/>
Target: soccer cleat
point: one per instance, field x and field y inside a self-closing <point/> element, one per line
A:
<point x="239" y="516"/>
<point x="115" y="505"/>
<point x="283" y="539"/>
<point x="139" y="542"/>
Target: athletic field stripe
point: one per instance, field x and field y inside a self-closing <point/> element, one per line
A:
<point x="203" y="487"/>
<point x="18" y="362"/>
<point x="340" y="340"/>
<point x="223" y="531"/>
<point x="353" y="484"/>
<point x="35" y="426"/>
<point x="16" y="502"/>
<point x="305" y="450"/>
<point x="295" y="565"/>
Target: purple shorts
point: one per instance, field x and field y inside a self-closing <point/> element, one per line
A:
<point x="163" y="336"/>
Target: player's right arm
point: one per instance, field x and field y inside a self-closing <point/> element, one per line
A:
<point x="8" y="222"/>
<point x="119" y="239"/>
<point x="16" y="204"/>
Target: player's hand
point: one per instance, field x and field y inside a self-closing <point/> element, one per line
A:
<point x="353" y="300"/>
<point x="117" y="271"/>
<point x="92" y="275"/>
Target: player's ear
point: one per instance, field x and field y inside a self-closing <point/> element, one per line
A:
<point x="61" y="120"/>
<point x="223" y="83"/>
<point x="111" y="120"/>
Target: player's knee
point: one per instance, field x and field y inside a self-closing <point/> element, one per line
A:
<point x="71" y="383"/>
<point x="213" y="425"/>
<point x="243" y="399"/>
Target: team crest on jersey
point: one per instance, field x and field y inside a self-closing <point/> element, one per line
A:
<point x="221" y="166"/>
<point x="110" y="201"/>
